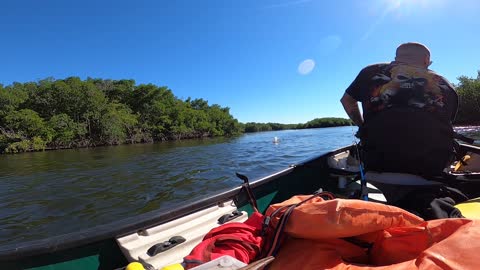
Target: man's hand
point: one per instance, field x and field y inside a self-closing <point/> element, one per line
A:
<point x="351" y="108"/>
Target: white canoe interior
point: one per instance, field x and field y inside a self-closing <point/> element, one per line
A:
<point x="192" y="227"/>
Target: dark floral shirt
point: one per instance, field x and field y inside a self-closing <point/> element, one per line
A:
<point x="394" y="85"/>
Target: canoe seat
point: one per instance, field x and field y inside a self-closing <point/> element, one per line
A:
<point x="396" y="185"/>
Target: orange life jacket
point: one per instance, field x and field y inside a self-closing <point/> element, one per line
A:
<point x="354" y="234"/>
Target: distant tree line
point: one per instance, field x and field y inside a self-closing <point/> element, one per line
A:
<point x="68" y="113"/>
<point x="468" y="90"/>
<point x="53" y="114"/>
<point x="315" y="123"/>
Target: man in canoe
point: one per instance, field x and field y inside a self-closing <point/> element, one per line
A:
<point x="408" y="111"/>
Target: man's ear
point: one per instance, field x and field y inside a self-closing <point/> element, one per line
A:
<point x="427" y="61"/>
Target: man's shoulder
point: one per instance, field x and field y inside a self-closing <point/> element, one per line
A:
<point x="379" y="65"/>
<point x="375" y="67"/>
<point x="441" y="79"/>
<point x="436" y="74"/>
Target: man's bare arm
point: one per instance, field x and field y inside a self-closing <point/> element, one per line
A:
<point x="351" y="107"/>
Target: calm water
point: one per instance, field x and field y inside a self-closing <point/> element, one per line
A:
<point x="50" y="193"/>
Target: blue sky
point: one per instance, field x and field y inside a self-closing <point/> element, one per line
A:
<point x="246" y="54"/>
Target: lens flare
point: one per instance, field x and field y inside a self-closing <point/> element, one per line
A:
<point x="306" y="66"/>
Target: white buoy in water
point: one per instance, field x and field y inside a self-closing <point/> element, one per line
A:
<point x="276" y="139"/>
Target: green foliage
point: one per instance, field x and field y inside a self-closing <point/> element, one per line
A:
<point x="17" y="147"/>
<point x="28" y="123"/>
<point x="156" y="106"/>
<point x="38" y="144"/>
<point x="10" y="99"/>
<point x="35" y="144"/>
<point x="468" y="91"/>
<point x="117" y="123"/>
<point x="115" y="91"/>
<point x="315" y="123"/>
<point x="65" y="131"/>
<point x="257" y="127"/>
<point x="327" y="122"/>
<point x="71" y="112"/>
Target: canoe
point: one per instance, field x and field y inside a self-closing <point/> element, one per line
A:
<point x="161" y="238"/>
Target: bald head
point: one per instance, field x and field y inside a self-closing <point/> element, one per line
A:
<point x="413" y="53"/>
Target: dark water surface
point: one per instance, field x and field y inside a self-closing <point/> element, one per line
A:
<point x="50" y="193"/>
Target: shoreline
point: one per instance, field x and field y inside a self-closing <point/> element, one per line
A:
<point x="464" y="128"/>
